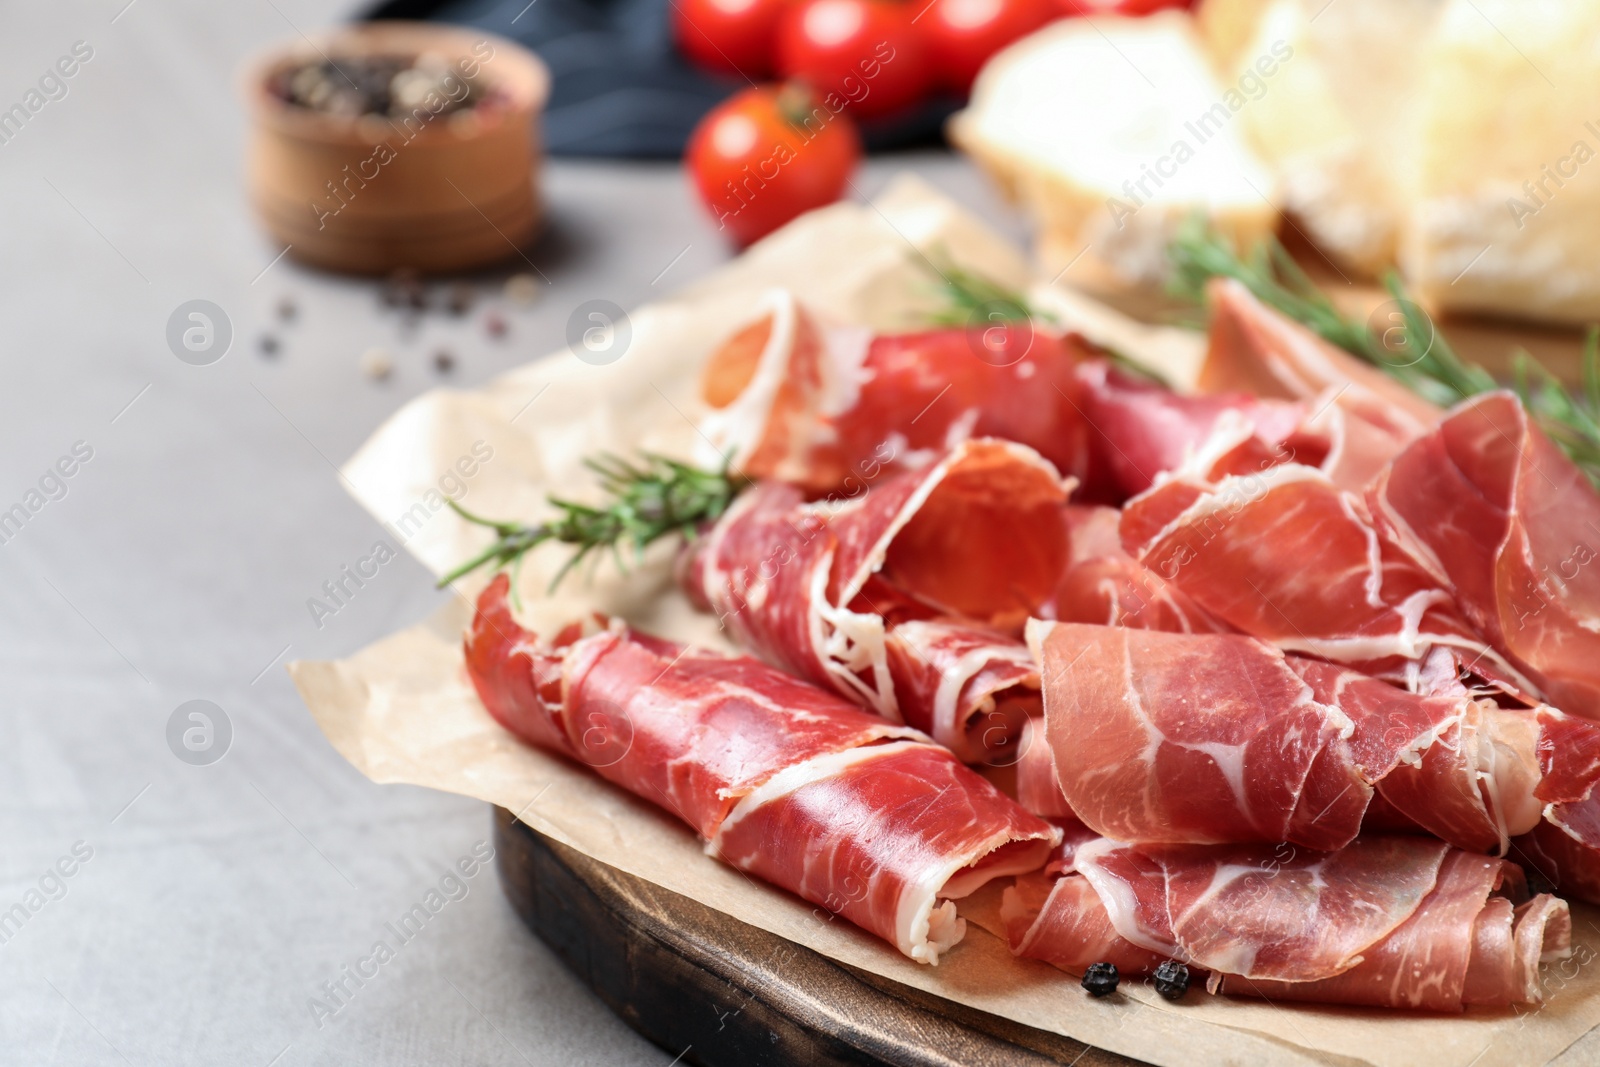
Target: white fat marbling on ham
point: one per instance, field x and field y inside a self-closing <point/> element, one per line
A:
<point x="868" y="820"/>
<point x="1492" y="507"/>
<point x="904" y="860"/>
<point x="957" y="552"/>
<point x="819" y="405"/>
<point x="1238" y="545"/>
<point x="1396" y="922"/>
<point x="1214" y="738"/>
<point x="734" y="433"/>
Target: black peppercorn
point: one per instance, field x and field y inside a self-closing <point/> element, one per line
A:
<point x="1100" y="979"/>
<point x="443" y="361"/>
<point x="403" y="289"/>
<point x="1172" y="980"/>
<point x="1538" y="883"/>
<point x="269" y="345"/>
<point x="394" y="85"/>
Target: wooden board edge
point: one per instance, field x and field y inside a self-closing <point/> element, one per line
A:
<point x="721" y="993"/>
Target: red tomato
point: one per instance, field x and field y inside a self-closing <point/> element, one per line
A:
<point x="962" y="34"/>
<point x="768" y="154"/>
<point x="866" y="52"/>
<point x="1119" y="7"/>
<point x="728" y="36"/>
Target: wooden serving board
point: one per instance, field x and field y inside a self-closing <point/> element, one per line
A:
<point x="720" y="993"/>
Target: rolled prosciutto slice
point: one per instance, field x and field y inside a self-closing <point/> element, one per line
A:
<point x="1395" y="922"/>
<point x="825" y="407"/>
<point x="904" y="598"/>
<point x="973" y="689"/>
<point x="866" y="818"/>
<point x="1214" y="738"/>
<point x="1490" y="506"/>
<point x="1564" y="849"/>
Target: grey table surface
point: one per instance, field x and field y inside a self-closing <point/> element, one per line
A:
<point x="208" y="905"/>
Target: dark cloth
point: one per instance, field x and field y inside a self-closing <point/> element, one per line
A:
<point x="619" y="88"/>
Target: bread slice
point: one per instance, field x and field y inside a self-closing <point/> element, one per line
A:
<point x="1338" y="122"/>
<point x="1507" y="210"/>
<point x="1111" y="132"/>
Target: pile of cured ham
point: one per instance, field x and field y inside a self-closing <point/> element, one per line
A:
<point x="1295" y="681"/>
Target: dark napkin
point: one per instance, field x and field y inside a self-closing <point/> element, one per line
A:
<point x="619" y="88"/>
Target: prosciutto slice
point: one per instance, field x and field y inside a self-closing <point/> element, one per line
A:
<point x="1140" y="429"/>
<point x="1490" y="506"/>
<point x="1038" y="783"/>
<point x="1103" y="584"/>
<point x="1284" y="554"/>
<point x="826" y="408"/>
<point x="1051" y="916"/>
<point x="1258" y="350"/>
<point x="1221" y="738"/>
<point x="1564" y="849"/>
<point x="863" y="817"/>
<point x="1399" y="922"/>
<point x="1360" y="417"/>
<point x="974" y="687"/>
<point x="899" y="598"/>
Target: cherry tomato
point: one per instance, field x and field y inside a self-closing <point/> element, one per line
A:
<point x="962" y="34"/>
<point x="1119" y="7"/>
<point x="865" y="52"/>
<point x="768" y="154"/>
<point x="728" y="36"/>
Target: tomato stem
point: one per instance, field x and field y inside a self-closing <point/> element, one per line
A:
<point x="795" y="102"/>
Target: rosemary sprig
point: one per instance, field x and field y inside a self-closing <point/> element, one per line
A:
<point x="1571" y="421"/>
<point x="1199" y="254"/>
<point x="1421" y="358"/>
<point x="645" y="500"/>
<point x="971" y="299"/>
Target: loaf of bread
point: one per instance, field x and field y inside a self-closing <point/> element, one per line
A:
<point x="1505" y="216"/>
<point x="1111" y="132"/>
<point x="1338" y="124"/>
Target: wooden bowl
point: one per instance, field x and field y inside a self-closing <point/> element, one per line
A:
<point x="432" y="192"/>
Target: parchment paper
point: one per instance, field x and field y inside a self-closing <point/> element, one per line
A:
<point x="402" y="710"/>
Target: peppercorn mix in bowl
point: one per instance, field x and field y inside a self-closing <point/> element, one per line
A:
<point x="396" y="145"/>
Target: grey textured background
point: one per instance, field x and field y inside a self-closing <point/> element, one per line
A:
<point x="178" y="564"/>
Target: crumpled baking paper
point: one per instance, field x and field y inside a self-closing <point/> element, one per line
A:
<point x="402" y="709"/>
